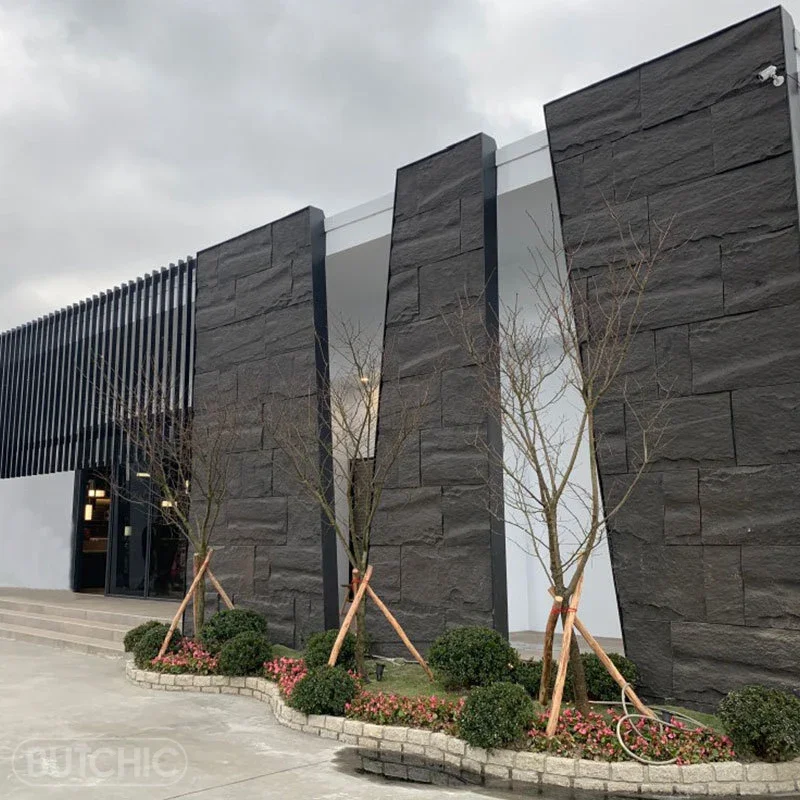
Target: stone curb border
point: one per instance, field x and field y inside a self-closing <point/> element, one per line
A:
<point x="419" y="755"/>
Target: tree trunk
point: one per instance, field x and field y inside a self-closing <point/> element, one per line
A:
<point x="361" y="638"/>
<point x="579" y="691"/>
<point x="199" y="599"/>
<point x="547" y="659"/>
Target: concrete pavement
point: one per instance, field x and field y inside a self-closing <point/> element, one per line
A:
<point x="56" y="705"/>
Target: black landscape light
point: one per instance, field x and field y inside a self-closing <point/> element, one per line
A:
<point x="379" y="668"/>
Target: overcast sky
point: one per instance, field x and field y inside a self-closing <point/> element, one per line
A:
<point x="135" y="132"/>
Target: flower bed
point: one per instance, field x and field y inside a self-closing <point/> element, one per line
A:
<point x="191" y="659"/>
<point x="595" y="737"/>
<point x="428" y="713"/>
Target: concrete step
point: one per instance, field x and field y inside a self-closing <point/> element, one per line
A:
<point x="82" y="613"/>
<point x="82" y="628"/>
<point x="62" y="641"/>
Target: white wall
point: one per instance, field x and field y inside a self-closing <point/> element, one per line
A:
<point x="35" y="531"/>
<point x="526" y="217"/>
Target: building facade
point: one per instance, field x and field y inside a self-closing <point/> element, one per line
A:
<point x="692" y="157"/>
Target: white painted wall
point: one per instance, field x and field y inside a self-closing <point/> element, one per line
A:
<point x="35" y="531"/>
<point x="525" y="216"/>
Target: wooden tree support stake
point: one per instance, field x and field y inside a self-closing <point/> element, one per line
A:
<point x="563" y="660"/>
<point x="400" y="632"/>
<point x="218" y="586"/>
<point x="612" y="670"/>
<point x="184" y="603"/>
<point x="348" y="620"/>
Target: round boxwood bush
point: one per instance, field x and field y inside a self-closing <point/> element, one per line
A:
<point x="762" y="722"/>
<point x="496" y="715"/>
<point x="245" y="654"/>
<point x="599" y="684"/>
<point x="324" y="690"/>
<point x="466" y="657"/>
<point x="318" y="650"/>
<point x="149" y="644"/>
<point x="134" y="634"/>
<point x="224" y="625"/>
<point x="528" y="674"/>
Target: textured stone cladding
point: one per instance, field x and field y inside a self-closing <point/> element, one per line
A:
<point x="261" y="326"/>
<point x="439" y="555"/>
<point x="706" y="554"/>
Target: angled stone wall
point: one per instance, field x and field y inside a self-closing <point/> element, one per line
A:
<point x="261" y="329"/>
<point x="706" y="555"/>
<point x="439" y="555"/>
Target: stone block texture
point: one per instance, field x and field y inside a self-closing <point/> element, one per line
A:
<point x="439" y="553"/>
<point x="262" y="331"/>
<point x="694" y="159"/>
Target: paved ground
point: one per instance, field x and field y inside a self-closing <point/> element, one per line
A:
<point x="234" y="748"/>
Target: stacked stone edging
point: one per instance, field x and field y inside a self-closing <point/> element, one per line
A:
<point x="422" y="756"/>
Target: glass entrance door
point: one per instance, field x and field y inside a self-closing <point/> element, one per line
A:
<point x="148" y="555"/>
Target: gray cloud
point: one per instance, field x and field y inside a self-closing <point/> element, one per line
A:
<point x="134" y="132"/>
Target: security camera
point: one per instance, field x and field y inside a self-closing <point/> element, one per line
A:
<point x="770" y="73"/>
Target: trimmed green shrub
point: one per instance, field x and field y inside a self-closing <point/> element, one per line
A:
<point x="134" y="634"/>
<point x="318" y="650"/>
<point x="496" y="715"/>
<point x="466" y="657"/>
<point x="324" y="690"/>
<point x="528" y="674"/>
<point x="245" y="654"/>
<point x="146" y="649"/>
<point x="224" y="625"/>
<point x="599" y="684"/>
<point x="762" y="722"/>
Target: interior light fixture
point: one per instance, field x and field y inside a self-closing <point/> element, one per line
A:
<point x="99" y="492"/>
<point x="167" y="504"/>
<point x="142" y="474"/>
<point x="364" y="379"/>
<point x="87" y="512"/>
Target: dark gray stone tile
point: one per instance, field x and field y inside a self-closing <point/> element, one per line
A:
<point x="609" y="236"/>
<point x="466" y="516"/>
<point x="464" y="396"/>
<point x="472" y="222"/>
<point x="755" y="199"/>
<point x="629" y="368"/>
<point x="294" y="570"/>
<point x="639" y="515"/>
<point x="426" y="237"/>
<point x="288" y="329"/>
<point x="250" y="475"/>
<point x="751" y="505"/>
<point x="686" y="432"/>
<point x="385" y="560"/>
<point x="569" y="181"/>
<point x="207" y="261"/>
<point x="263" y="291"/>
<point x="257" y="521"/>
<point x="674" y="361"/>
<point x="766" y="423"/>
<point x="772" y="586"/>
<point x="215" y="306"/>
<point x="761" y="271"/>
<point x="655" y="159"/>
<point x="291" y="236"/>
<point x="441" y="178"/>
<point x="412" y="515"/>
<point x="453" y="456"/>
<point x="602" y="113"/>
<point x="232" y="344"/>
<point x="751" y="126"/>
<point x="723" y="584"/>
<point x="682" y="519"/>
<point x="451" y="285"/>
<point x="648" y="643"/>
<point x="246" y="254"/>
<point x="711" y="660"/>
<point x="760" y="348"/>
<point x="609" y="425"/>
<point x="711" y="69"/>
<point x="403" y="297"/>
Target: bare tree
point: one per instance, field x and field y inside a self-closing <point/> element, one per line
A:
<point x="564" y="346"/>
<point x="185" y="453"/>
<point x="341" y="474"/>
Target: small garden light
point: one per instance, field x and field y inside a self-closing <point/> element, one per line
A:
<point x="379" y="671"/>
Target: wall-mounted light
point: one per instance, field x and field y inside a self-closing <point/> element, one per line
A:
<point x="87" y="512"/>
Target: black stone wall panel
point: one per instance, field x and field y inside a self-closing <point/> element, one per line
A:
<point x="264" y="331"/>
<point x="697" y="158"/>
<point x="434" y="523"/>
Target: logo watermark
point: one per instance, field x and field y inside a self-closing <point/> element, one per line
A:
<point x="130" y="761"/>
